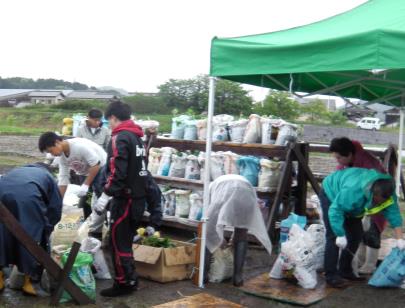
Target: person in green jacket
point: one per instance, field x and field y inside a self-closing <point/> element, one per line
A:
<point x="347" y="196"/>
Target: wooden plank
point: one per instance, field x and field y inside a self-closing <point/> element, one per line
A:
<point x="65" y="273"/>
<point x="199" y="300"/>
<point x="258" y="149"/>
<point x="196" y="270"/>
<point x="286" y="291"/>
<point x="40" y="255"/>
<point x="302" y="179"/>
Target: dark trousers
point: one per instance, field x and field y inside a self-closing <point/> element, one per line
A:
<point x="126" y="216"/>
<point x="354" y="233"/>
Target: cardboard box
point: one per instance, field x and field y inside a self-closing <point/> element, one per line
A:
<point x="165" y="264"/>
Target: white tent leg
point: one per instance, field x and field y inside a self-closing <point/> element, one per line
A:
<point x="399" y="165"/>
<point x="207" y="177"/>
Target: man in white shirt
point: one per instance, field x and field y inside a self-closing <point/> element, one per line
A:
<point x="85" y="158"/>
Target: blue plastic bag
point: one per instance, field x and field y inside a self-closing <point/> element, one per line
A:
<point x="391" y="271"/>
<point x="286" y="224"/>
<point x="249" y="167"/>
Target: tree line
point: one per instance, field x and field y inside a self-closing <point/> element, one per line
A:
<point x="48" y="83"/>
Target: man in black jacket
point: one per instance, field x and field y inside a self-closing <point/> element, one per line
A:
<point x="127" y="180"/>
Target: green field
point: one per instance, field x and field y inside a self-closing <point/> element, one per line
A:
<point x="34" y="121"/>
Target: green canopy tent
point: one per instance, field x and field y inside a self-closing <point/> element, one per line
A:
<point x="357" y="54"/>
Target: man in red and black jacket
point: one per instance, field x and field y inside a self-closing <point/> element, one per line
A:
<point x="126" y="187"/>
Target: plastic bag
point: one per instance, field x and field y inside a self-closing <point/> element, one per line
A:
<point x="170" y="202"/>
<point x="269" y="176"/>
<point x="201" y="129"/>
<point x="231" y="163"/>
<point x="178" y="126"/>
<point x="182" y="203"/>
<point x="190" y="130"/>
<point x="287" y="132"/>
<point x="217" y="164"/>
<point x="192" y="171"/>
<point x="220" y="127"/>
<point x="253" y="129"/>
<point x="237" y="130"/>
<point x="249" y="167"/>
<point x="166" y="161"/>
<point x="196" y="205"/>
<point x="178" y="165"/>
<point x="391" y="272"/>
<point x="66" y="229"/>
<point x="318" y="232"/>
<point x="154" y="160"/>
<point x="93" y="246"/>
<point x="81" y="275"/>
<point x="222" y="265"/>
<point x="287" y="223"/>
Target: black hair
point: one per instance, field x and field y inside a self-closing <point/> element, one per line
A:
<point x="95" y="113"/>
<point x="383" y="188"/>
<point x="119" y="109"/>
<point x="343" y="146"/>
<point x="47" y="140"/>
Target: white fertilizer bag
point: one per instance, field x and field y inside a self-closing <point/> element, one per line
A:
<point x="178" y="165"/>
<point x="154" y="160"/>
<point x="170" y="202"/>
<point x="93" y="246"/>
<point x="269" y="175"/>
<point x="287" y="132"/>
<point x="190" y="130"/>
<point x="201" y="129"/>
<point x="231" y="162"/>
<point x="220" y="127"/>
<point x="182" y="203"/>
<point x="192" y="168"/>
<point x="237" y="130"/>
<point x="217" y="164"/>
<point x="222" y="265"/>
<point x="166" y="160"/>
<point x="196" y="205"/>
<point x="253" y="129"/>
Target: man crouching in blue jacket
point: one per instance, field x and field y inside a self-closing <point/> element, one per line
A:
<point x="31" y="194"/>
<point x="346" y="197"/>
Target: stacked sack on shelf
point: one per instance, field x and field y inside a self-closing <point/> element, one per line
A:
<point x="261" y="173"/>
<point x="183" y="204"/>
<point x="255" y="129"/>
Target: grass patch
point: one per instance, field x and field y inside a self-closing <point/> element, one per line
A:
<point x="16" y="160"/>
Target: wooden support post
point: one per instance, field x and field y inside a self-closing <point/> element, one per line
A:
<point x="303" y="163"/>
<point x="11" y="223"/>
<point x="196" y="271"/>
<point x="302" y="179"/>
<point x="65" y="273"/>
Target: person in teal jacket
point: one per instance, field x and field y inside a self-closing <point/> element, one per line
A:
<point x="347" y="196"/>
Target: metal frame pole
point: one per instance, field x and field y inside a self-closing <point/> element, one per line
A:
<point x="207" y="179"/>
<point x="399" y="164"/>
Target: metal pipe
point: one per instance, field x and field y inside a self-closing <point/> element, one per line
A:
<point x="207" y="179"/>
<point x="401" y="135"/>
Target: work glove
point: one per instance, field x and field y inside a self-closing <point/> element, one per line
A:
<point x="82" y="190"/>
<point x="401" y="244"/>
<point x="341" y="242"/>
<point x="101" y="204"/>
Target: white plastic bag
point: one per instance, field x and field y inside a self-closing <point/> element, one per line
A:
<point x="154" y="160"/>
<point x="237" y="130"/>
<point x="286" y="133"/>
<point x="196" y="205"/>
<point x="318" y="233"/>
<point x="178" y="165"/>
<point x="269" y="175"/>
<point x="231" y="163"/>
<point x="182" y="203"/>
<point x="190" y="130"/>
<point x="220" y="127"/>
<point x="222" y="265"/>
<point x="178" y="126"/>
<point x="166" y="161"/>
<point x="201" y="129"/>
<point x="217" y="165"/>
<point x="253" y="129"/>
<point x="170" y="202"/>
<point x="66" y="229"/>
<point x="93" y="246"/>
<point x="192" y="171"/>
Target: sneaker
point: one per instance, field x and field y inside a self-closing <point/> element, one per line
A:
<point x="118" y="290"/>
<point x="336" y="282"/>
<point x="352" y="277"/>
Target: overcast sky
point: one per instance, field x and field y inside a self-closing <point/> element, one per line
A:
<point x="136" y="45"/>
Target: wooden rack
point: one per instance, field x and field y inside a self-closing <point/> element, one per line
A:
<point x="294" y="152"/>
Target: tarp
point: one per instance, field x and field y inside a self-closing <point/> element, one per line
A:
<point x="359" y="54"/>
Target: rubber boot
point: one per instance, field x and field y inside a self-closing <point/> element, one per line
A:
<point x="2" y="285"/>
<point x="239" y="256"/>
<point x="370" y="264"/>
<point x="33" y="288"/>
<point x="207" y="264"/>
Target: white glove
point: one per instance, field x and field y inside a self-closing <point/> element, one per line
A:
<point x="101" y="204"/>
<point x="149" y="231"/>
<point x="82" y="190"/>
<point x="341" y="242"/>
<point x="401" y="244"/>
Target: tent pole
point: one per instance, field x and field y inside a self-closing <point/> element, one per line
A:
<point x="401" y="135"/>
<point x="207" y="177"/>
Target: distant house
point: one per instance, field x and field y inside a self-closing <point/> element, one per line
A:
<point x="358" y="110"/>
<point x="89" y="95"/>
<point x="47" y="97"/>
<point x="143" y="93"/>
<point x="12" y="97"/>
<point x="385" y="113"/>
